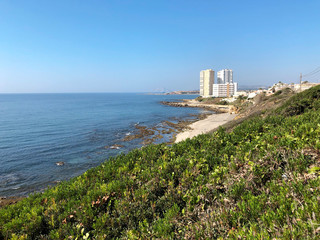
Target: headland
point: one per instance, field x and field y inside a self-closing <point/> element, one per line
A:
<point x="196" y="104"/>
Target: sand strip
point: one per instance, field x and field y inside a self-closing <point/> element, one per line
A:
<point x="206" y="125"/>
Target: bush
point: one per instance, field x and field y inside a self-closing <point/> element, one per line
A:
<point x="260" y="181"/>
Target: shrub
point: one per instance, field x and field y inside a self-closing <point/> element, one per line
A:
<point x="259" y="181"/>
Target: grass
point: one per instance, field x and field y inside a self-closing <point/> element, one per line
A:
<point x="258" y="181"/>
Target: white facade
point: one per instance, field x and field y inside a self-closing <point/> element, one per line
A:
<point x="295" y="87"/>
<point x="224" y="90"/>
<point x="206" y="82"/>
<point x="225" y="76"/>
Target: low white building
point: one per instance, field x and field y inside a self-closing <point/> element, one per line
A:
<point x="295" y="87"/>
<point x="304" y="86"/>
<point x="224" y="90"/>
<point x="240" y="93"/>
<point x="252" y="95"/>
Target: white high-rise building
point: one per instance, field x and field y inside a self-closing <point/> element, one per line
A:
<point x="225" y="86"/>
<point x="206" y="82"/>
<point x="225" y="76"/>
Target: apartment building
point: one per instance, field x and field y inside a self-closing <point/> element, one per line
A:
<point x="206" y="82"/>
<point x="224" y="89"/>
<point x="225" y="76"/>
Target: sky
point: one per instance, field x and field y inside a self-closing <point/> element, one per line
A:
<point x="145" y="46"/>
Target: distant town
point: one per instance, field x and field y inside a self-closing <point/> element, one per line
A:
<point x="228" y="89"/>
<point x="225" y="87"/>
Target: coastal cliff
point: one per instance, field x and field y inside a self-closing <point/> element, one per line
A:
<point x="259" y="179"/>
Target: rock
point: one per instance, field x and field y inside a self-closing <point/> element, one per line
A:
<point x="115" y="146"/>
<point x="9" y="200"/>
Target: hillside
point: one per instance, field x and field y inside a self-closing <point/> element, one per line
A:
<point x="259" y="180"/>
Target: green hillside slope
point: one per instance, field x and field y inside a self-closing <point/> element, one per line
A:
<point x="260" y="181"/>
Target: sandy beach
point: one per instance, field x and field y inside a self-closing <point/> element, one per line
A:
<point x="206" y="125"/>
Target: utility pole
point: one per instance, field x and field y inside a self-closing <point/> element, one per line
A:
<point x="300" y="81"/>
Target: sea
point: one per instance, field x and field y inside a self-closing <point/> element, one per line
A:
<point x="39" y="130"/>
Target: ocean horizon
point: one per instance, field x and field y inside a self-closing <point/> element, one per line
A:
<point x="37" y="130"/>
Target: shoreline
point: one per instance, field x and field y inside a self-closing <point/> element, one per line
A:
<point x="183" y="128"/>
<point x="192" y="103"/>
<point x="206" y="125"/>
<point x="154" y="134"/>
<point x="223" y="114"/>
<point x="178" y="129"/>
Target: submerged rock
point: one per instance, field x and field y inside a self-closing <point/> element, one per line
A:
<point x="142" y="132"/>
<point x="115" y="146"/>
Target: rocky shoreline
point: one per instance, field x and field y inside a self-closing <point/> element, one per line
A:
<point x="224" y="114"/>
<point x="150" y="135"/>
<point x="147" y="135"/>
<point x="195" y="104"/>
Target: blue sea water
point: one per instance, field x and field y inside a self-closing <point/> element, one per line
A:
<point x="38" y="130"/>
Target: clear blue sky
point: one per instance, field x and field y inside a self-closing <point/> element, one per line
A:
<point x="141" y="46"/>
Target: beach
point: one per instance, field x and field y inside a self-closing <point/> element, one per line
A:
<point x="223" y="114"/>
<point x="204" y="126"/>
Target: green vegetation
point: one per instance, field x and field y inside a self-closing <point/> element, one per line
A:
<point x="199" y="99"/>
<point x="258" y="181"/>
<point x="211" y="100"/>
<point x="223" y="102"/>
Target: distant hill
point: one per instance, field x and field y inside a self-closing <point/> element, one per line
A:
<point x="251" y="87"/>
<point x="195" y="92"/>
